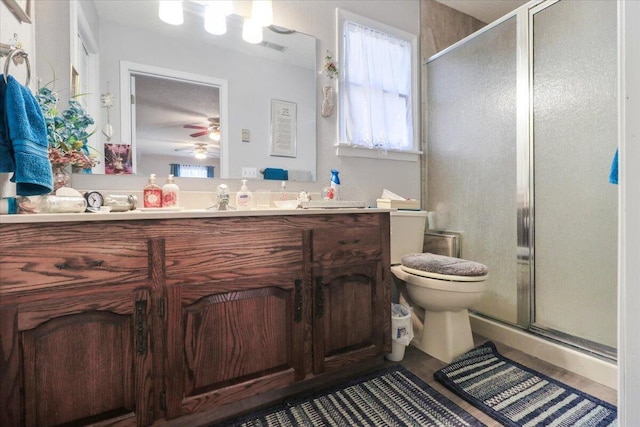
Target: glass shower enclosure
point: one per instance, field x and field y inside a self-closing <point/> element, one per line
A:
<point x="521" y="127"/>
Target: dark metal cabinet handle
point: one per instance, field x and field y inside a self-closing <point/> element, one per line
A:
<point x="141" y="327"/>
<point x="349" y="242"/>
<point x="297" y="317"/>
<point x="319" y="297"/>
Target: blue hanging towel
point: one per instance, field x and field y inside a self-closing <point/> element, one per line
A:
<point x="613" y="175"/>
<point x="277" y="174"/>
<point x="23" y="140"/>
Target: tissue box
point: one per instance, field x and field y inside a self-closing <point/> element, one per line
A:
<point x="413" y="205"/>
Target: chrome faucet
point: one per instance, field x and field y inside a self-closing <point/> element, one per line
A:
<point x="222" y="203"/>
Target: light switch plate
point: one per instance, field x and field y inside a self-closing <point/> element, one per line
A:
<point x="250" y="172"/>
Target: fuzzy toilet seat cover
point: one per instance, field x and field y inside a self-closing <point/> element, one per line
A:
<point x="445" y="265"/>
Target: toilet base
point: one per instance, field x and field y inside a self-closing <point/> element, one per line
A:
<point x="445" y="335"/>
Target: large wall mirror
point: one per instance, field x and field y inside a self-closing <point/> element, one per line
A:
<point x="179" y="105"/>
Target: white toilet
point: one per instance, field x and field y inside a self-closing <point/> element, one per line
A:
<point x="445" y="298"/>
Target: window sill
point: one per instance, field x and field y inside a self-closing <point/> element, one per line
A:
<point x="346" y="150"/>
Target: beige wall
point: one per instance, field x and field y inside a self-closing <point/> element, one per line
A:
<point x="440" y="27"/>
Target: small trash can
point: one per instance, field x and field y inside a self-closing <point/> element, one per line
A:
<point x="401" y="331"/>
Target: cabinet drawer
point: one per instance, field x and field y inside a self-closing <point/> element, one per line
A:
<point x="347" y="244"/>
<point x="231" y="255"/>
<point x="32" y="267"/>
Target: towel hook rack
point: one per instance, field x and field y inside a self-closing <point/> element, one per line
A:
<point x="18" y="56"/>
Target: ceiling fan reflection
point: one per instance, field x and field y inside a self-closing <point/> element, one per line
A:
<point x="212" y="130"/>
<point x="200" y="151"/>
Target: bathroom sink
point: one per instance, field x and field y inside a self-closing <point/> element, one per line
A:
<point x="286" y="204"/>
<point x="332" y="204"/>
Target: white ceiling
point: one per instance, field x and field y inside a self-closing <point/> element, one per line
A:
<point x="484" y="10"/>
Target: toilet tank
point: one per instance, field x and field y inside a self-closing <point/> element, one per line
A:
<point x="407" y="233"/>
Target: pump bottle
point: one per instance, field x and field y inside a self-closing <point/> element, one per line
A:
<point x="244" y="197"/>
<point x="170" y="194"/>
<point x="152" y="193"/>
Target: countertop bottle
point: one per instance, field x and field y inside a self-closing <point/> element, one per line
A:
<point x="170" y="193"/>
<point x="152" y="193"/>
<point x="121" y="202"/>
<point x="244" y="197"/>
<point x="335" y="185"/>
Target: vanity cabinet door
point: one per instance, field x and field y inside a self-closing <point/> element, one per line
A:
<point x="77" y="360"/>
<point x="348" y="315"/>
<point x="351" y="293"/>
<point x="232" y="340"/>
<point x="234" y="317"/>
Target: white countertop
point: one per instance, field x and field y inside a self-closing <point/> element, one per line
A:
<point x="167" y="214"/>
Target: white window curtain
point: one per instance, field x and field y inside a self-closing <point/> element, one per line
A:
<point x="377" y="83"/>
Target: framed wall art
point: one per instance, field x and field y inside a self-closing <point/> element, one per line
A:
<point x="283" y="128"/>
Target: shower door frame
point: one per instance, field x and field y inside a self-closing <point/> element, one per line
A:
<point x="525" y="179"/>
<point x="526" y="223"/>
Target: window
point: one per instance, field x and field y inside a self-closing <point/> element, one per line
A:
<point x="378" y="86"/>
<point x="191" y="171"/>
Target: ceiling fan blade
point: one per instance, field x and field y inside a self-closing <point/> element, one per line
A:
<point x="198" y="134"/>
<point x="194" y="127"/>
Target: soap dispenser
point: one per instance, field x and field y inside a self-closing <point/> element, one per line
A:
<point x="244" y="198"/>
<point x="170" y="194"/>
<point x="283" y="190"/>
<point x="152" y="193"/>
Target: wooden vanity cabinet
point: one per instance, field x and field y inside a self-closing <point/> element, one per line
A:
<point x="234" y="316"/>
<point x="74" y="331"/>
<point x="351" y="295"/>
<point x="143" y="322"/>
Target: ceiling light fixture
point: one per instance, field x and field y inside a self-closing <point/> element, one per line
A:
<point x="215" y="16"/>
<point x="215" y="134"/>
<point x="251" y="31"/>
<point x="262" y="12"/>
<point x="170" y="11"/>
<point x="200" y="152"/>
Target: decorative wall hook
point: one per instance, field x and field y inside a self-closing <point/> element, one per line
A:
<point x="327" y="101"/>
<point x="107" y="102"/>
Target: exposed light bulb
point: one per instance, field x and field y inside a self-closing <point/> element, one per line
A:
<point x="251" y="31"/>
<point x="170" y="11"/>
<point x="215" y="135"/>
<point x="225" y="6"/>
<point x="215" y="16"/>
<point x="262" y="12"/>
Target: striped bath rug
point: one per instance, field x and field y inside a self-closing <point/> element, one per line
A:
<point x="391" y="397"/>
<point x="517" y="396"/>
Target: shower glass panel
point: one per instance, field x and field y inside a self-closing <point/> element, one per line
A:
<point x="574" y="128"/>
<point x="471" y="173"/>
